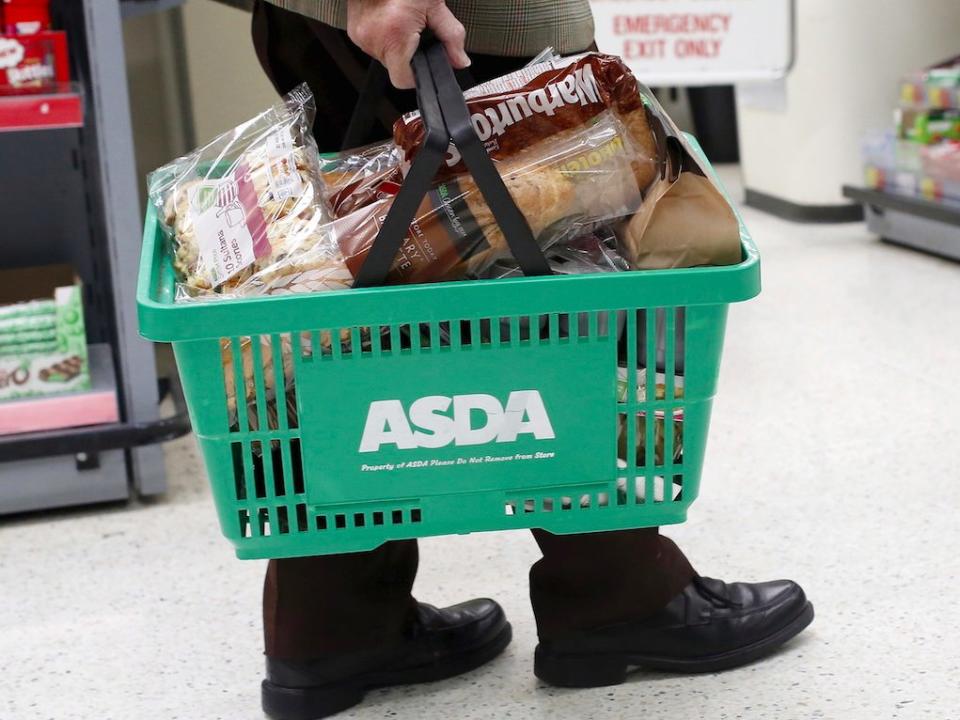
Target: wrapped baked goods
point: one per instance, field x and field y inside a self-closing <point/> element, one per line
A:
<point x="542" y="100"/>
<point x="245" y="213"/>
<point x="562" y="185"/>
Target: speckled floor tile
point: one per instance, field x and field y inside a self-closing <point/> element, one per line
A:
<point x="833" y="460"/>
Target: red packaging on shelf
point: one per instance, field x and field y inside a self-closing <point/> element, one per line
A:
<point x="25" y="17"/>
<point x="33" y="62"/>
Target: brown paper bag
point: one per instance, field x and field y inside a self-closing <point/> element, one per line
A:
<point x="692" y="225"/>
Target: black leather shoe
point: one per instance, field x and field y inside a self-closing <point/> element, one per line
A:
<point x="440" y="644"/>
<point x="710" y="626"/>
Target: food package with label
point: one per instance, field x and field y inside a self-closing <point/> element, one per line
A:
<point x="563" y="186"/>
<point x="245" y="214"/>
<point x="33" y="63"/>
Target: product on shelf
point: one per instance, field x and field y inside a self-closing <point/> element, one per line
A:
<point x="920" y="157"/>
<point x="43" y="346"/>
<point x="31" y="63"/>
<point x="936" y="88"/>
<point x="24" y="17"/>
<point x="928" y="127"/>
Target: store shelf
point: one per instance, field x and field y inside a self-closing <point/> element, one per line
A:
<point x="929" y="226"/>
<point x="87" y="441"/>
<point x="49" y="413"/>
<point x="41" y="111"/>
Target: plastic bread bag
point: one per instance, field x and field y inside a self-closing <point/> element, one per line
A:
<point x="244" y="213"/>
<point x="563" y="185"/>
<point x="356" y="178"/>
<point x="543" y="100"/>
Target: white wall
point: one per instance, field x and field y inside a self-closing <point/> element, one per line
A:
<point x="227" y="84"/>
<point x="850" y="56"/>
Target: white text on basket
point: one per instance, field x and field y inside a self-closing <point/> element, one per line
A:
<point x="437" y="421"/>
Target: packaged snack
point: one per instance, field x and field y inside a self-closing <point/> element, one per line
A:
<point x="245" y="212"/>
<point x="33" y="63"/>
<point x="662" y="419"/>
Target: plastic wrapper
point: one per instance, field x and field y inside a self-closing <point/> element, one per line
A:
<point x="543" y="100"/>
<point x="245" y="213"/>
<point x="562" y="185"/>
<point x="357" y="178"/>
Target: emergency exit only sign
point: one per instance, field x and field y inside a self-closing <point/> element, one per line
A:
<point x="698" y="42"/>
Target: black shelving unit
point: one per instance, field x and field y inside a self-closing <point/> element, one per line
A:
<point x="70" y="195"/>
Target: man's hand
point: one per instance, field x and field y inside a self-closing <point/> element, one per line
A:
<point x="389" y="30"/>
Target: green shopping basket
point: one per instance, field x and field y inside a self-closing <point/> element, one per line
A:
<point x="573" y="404"/>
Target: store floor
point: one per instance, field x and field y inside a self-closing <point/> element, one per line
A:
<point x="834" y="460"/>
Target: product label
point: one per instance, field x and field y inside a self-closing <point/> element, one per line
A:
<point x="230" y="227"/>
<point x="282" y="173"/>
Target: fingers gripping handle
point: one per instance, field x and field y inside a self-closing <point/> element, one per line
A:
<point x="446" y="117"/>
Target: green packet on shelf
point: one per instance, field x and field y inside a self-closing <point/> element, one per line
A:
<point x="30" y="309"/>
<point x="43" y="344"/>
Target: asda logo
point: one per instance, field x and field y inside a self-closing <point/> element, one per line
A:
<point x="438" y="421"/>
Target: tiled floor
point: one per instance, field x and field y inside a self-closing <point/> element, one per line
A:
<point x="834" y="460"/>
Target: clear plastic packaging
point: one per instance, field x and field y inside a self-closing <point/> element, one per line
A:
<point x="245" y="213"/>
<point x="563" y="185"/>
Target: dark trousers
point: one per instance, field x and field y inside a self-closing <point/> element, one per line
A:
<point x="343" y="603"/>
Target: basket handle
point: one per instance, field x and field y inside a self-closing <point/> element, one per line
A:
<point x="446" y="117"/>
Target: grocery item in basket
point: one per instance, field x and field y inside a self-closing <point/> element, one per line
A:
<point x="563" y="185"/>
<point x="592" y="252"/>
<point x="537" y="102"/>
<point x="245" y="212"/>
<point x="662" y="418"/>
<point x="357" y="178"/>
<point x="691" y="225"/>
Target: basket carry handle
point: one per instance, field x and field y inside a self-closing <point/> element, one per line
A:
<point x="446" y="117"/>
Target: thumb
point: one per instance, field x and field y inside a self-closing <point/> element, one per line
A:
<point x="451" y="33"/>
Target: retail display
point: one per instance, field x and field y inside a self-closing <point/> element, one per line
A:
<point x="912" y="171"/>
<point x="920" y="157"/>
<point x="29" y="63"/>
<point x="43" y="347"/>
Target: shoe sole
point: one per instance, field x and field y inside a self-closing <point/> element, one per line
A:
<point x="597" y="670"/>
<point x="313" y="703"/>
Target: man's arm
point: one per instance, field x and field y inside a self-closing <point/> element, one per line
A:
<point x="389" y="30"/>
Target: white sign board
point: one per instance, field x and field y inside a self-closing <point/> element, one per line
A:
<point x="698" y="42"/>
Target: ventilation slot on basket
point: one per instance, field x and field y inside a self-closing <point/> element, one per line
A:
<point x="239" y="473"/>
<point x="283" y="520"/>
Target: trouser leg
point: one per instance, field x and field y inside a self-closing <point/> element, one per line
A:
<point x="587" y="581"/>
